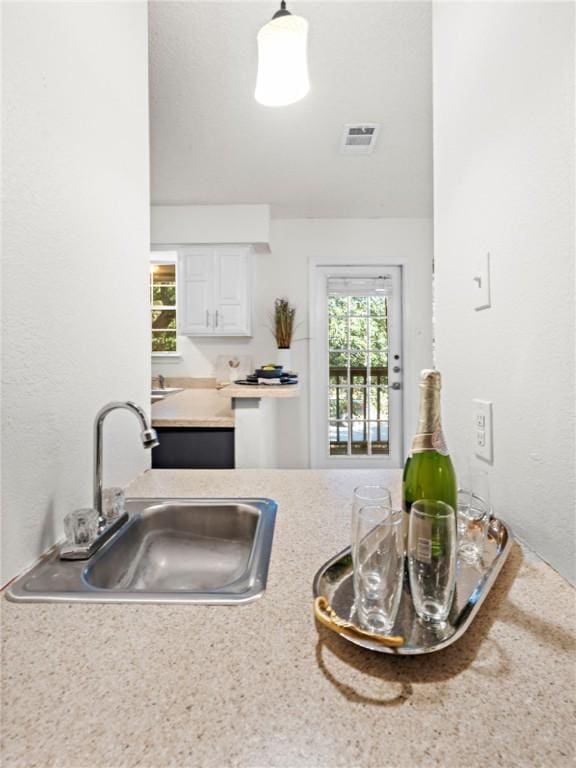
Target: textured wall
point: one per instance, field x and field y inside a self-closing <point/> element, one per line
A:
<point x="75" y="249"/>
<point x="285" y="272"/>
<point x="504" y="183"/>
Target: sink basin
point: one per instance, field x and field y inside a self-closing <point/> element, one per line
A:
<point x="160" y="394"/>
<point x="171" y="550"/>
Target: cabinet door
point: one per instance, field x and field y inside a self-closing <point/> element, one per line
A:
<point x="232" y="292"/>
<point x="196" y="295"/>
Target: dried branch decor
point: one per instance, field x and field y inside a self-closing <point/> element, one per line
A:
<point x="284" y="316"/>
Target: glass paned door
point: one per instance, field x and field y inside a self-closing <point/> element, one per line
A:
<point x="358" y="375"/>
<point x="357" y="400"/>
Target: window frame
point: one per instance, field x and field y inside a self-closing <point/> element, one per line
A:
<point x="320" y="270"/>
<point x="164" y="257"/>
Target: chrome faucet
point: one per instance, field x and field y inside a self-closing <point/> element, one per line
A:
<point x="74" y="550"/>
<point x="148" y="436"/>
<point x="161" y="381"/>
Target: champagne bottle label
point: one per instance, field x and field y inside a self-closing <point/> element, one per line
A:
<point x="439" y="443"/>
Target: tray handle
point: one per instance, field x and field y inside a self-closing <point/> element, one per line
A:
<point x="328" y="617"/>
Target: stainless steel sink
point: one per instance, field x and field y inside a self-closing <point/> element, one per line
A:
<point x="162" y="392"/>
<point x="171" y="550"/>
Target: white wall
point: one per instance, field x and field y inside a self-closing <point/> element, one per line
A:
<point x="75" y="244"/>
<point x="504" y="183"/>
<point x="284" y="272"/>
<point x="210" y="224"/>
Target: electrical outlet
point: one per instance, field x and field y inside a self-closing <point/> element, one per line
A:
<point x="483" y="429"/>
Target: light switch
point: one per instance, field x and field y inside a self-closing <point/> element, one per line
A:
<point x="481" y="283"/>
<point x="483" y="429"/>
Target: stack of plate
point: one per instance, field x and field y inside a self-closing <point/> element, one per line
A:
<point x="269" y="376"/>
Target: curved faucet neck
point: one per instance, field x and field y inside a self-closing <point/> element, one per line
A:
<point x="98" y="452"/>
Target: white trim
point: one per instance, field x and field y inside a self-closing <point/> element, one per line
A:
<point x="409" y="369"/>
<point x="166" y="357"/>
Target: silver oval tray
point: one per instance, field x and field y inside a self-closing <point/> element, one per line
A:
<point x="473" y="582"/>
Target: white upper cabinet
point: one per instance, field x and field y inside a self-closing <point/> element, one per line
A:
<point x="214" y="290"/>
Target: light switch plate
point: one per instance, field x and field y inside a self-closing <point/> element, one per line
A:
<point x="481" y="283"/>
<point x="482" y="426"/>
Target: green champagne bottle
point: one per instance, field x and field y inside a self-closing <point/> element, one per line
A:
<point x="428" y="472"/>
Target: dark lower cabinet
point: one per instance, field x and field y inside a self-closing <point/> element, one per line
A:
<point x="194" y="448"/>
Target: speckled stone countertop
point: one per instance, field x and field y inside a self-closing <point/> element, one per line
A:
<point x="262" y="686"/>
<point x="194" y="407"/>
<point x="278" y="391"/>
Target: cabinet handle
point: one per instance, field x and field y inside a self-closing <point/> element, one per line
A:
<point x="217" y="317"/>
<point x="208" y="318"/>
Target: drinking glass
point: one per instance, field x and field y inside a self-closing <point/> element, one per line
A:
<point x="378" y="557"/>
<point x="473" y="521"/>
<point x="366" y="495"/>
<point x="432" y="558"/>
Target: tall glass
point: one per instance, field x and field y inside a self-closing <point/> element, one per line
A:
<point x="432" y="558"/>
<point x="378" y="557"/>
<point x="366" y="495"/>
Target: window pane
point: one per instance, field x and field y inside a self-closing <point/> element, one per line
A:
<point x="337" y="332"/>
<point x="358" y="333"/>
<point x="339" y="403"/>
<point x="163" y="341"/>
<point x="358" y="305"/>
<point x="379" y="362"/>
<point x="358" y="362"/>
<point x="165" y="295"/>
<point x="359" y="403"/>
<point x="378" y="305"/>
<point x="378" y="333"/>
<point x="379" y="438"/>
<point x="378" y="401"/>
<point x="338" y="306"/>
<point x="338" y="376"/>
<point x="338" y="438"/>
<point x="338" y="369"/>
<point x="163" y="319"/>
<point x="163" y="273"/>
<point x="359" y="438"/>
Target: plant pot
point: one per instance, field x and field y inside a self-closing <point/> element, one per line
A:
<point x="284" y="357"/>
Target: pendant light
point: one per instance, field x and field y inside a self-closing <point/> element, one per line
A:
<point x="282" y="60"/>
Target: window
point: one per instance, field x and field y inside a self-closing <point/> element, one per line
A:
<point x="358" y="368"/>
<point x="163" y="307"/>
<point x="356" y="398"/>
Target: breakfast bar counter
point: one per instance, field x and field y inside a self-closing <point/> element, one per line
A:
<point x="262" y="685"/>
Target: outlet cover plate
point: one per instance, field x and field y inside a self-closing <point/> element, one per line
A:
<point x="482" y="426"/>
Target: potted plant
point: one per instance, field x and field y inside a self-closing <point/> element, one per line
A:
<point x="284" y="315"/>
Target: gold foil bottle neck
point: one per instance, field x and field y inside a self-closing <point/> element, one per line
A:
<point x="430" y="378"/>
<point x="429" y="435"/>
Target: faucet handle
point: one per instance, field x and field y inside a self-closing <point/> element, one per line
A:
<point x="81" y="526"/>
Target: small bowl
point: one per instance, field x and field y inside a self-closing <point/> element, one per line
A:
<point x="276" y="373"/>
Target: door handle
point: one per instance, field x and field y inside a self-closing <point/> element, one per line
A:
<point x="396" y="385"/>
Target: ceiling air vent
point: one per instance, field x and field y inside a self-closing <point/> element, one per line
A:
<point x="359" y="138"/>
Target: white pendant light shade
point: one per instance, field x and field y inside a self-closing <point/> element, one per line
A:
<point x="282" y="61"/>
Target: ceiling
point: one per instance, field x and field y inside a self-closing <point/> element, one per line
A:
<point x="212" y="143"/>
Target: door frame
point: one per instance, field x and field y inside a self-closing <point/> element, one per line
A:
<point x="406" y="361"/>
